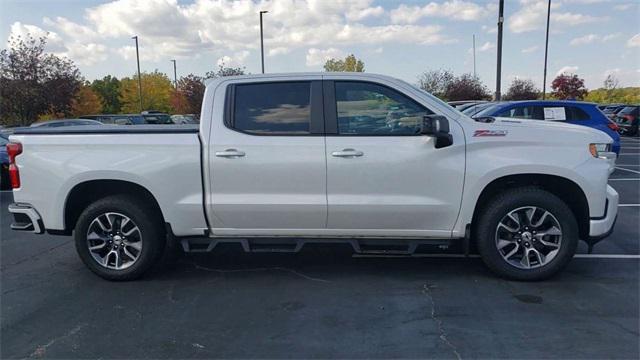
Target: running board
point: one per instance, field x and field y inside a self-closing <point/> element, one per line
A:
<point x="291" y="245"/>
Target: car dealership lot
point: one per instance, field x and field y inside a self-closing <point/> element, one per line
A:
<point x="324" y="302"/>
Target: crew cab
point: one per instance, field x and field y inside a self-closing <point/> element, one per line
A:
<point x="282" y="160"/>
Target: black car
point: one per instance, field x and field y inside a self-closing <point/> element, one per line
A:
<point x="4" y="162"/>
<point x="628" y="120"/>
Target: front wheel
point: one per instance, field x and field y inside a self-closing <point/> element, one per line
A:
<point x="526" y="234"/>
<point x="119" y="238"/>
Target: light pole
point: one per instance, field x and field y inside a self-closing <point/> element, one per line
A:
<point x="262" y="41"/>
<point x="474" y="56"/>
<point x="546" y="50"/>
<point x="175" y="75"/>
<point x="499" y="62"/>
<point x="139" y="79"/>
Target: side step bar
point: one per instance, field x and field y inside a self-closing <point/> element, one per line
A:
<point x="293" y="245"/>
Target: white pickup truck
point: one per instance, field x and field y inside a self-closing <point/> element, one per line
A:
<point x="283" y="160"/>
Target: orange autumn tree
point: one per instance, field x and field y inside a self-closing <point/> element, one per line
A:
<point x="85" y="102"/>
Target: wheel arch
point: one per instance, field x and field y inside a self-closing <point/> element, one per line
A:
<point x="567" y="190"/>
<point x="85" y="193"/>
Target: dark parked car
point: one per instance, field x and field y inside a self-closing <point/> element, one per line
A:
<point x="4" y="162"/>
<point x="476" y="108"/>
<point x="611" y="110"/>
<point x="117" y="119"/>
<point x="64" y="122"/>
<point x="627" y="119"/>
<point x="157" y="118"/>
<point x="571" y="112"/>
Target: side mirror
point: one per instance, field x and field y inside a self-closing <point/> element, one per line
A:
<point x="437" y="126"/>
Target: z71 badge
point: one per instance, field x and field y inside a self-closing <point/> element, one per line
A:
<point x="490" y="133"/>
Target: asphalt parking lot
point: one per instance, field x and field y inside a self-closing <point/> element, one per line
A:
<point x="324" y="303"/>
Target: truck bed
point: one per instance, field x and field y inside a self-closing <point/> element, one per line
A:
<point x="163" y="159"/>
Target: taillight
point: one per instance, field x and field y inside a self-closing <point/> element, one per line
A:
<point x="628" y="117"/>
<point x="13" y="150"/>
<point x="613" y="126"/>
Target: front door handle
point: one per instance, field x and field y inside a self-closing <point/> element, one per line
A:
<point x="230" y="153"/>
<point x="347" y="153"/>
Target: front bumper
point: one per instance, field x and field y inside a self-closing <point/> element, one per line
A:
<point x="26" y="218"/>
<point x="602" y="226"/>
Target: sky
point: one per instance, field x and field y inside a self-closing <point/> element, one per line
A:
<point x="402" y="38"/>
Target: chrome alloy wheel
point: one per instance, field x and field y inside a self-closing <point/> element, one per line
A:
<point x="528" y="237"/>
<point x="114" y="241"/>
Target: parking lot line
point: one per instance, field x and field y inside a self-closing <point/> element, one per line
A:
<point x="624" y="179"/>
<point x="628" y="205"/>
<point x="582" y="256"/>
<point x="629" y="170"/>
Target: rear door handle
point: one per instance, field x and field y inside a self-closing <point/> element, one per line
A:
<point x="347" y="153"/>
<point x="230" y="153"/>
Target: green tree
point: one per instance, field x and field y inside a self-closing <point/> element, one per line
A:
<point x="627" y="95"/>
<point x="349" y="64"/>
<point x="156" y="92"/>
<point x="522" y="89"/>
<point x="34" y="83"/>
<point x="436" y="82"/>
<point x="108" y="89"/>
<point x="224" y="70"/>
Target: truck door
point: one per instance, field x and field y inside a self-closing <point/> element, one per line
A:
<point x="383" y="177"/>
<point x="268" y="168"/>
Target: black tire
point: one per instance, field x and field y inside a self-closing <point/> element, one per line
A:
<point x="147" y="219"/>
<point x="499" y="206"/>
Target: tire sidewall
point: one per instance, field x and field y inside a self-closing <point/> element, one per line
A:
<point x="510" y="201"/>
<point x="151" y="238"/>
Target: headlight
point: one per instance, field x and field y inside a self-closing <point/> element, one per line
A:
<point x="598" y="149"/>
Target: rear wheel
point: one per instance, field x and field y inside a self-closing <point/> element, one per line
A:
<point x="118" y="238"/>
<point x="526" y="234"/>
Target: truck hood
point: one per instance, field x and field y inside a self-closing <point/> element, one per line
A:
<point x="556" y="128"/>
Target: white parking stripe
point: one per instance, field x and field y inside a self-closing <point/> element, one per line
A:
<point x="625" y="179"/>
<point x="628" y="205"/>
<point x="582" y="256"/>
<point x="629" y="170"/>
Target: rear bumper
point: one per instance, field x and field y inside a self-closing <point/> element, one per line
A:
<point x="601" y="227"/>
<point x="26" y="218"/>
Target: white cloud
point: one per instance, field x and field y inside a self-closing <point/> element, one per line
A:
<point x="83" y="52"/>
<point x="278" y="51"/>
<point x="532" y="15"/>
<point x="236" y="60"/>
<point x="530" y="49"/>
<point x="490" y="29"/>
<point x="487" y="46"/>
<point x="567" y="70"/>
<point x="317" y="57"/>
<point x="634" y="41"/>
<point x="454" y="9"/>
<point x="587" y="39"/>
<point x="623" y="7"/>
<point x="590" y="38"/>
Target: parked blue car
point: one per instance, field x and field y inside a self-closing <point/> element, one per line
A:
<point x="571" y="112"/>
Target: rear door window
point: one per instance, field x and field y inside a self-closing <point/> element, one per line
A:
<point x="279" y="108"/>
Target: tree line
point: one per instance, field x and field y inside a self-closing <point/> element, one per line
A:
<point x="37" y="86"/>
